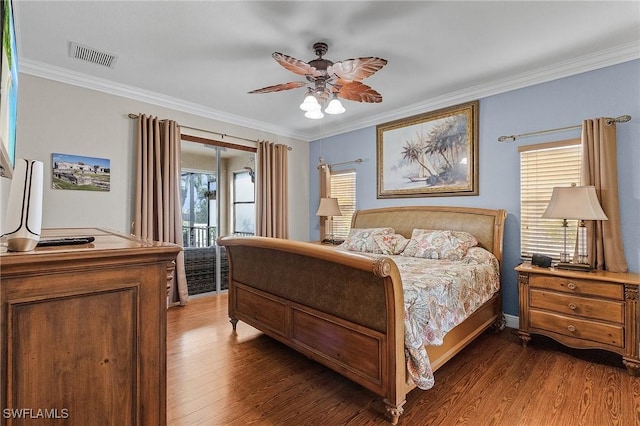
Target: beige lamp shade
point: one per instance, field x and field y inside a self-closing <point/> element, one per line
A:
<point x="574" y="202"/>
<point x="328" y="207"/>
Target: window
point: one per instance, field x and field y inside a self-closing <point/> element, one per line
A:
<point x="244" y="204"/>
<point x="542" y="167"/>
<point x="198" y="209"/>
<point x="343" y="187"/>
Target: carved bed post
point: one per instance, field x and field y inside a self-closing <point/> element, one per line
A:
<point x="232" y="293"/>
<point x="396" y="363"/>
<point x="394" y="411"/>
<point x="234" y="323"/>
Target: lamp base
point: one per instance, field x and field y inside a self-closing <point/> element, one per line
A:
<point x="585" y="267"/>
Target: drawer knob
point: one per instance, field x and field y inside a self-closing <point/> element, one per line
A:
<point x="572" y="306"/>
<point x="571" y="328"/>
<point x="571" y="286"/>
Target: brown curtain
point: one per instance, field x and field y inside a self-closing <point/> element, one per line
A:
<point x="600" y="169"/>
<point x="158" y="213"/>
<point x="325" y="192"/>
<point x="272" y="202"/>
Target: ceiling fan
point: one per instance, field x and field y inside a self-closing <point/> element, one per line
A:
<point x="327" y="79"/>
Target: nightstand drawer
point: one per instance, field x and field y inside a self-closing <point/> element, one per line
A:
<point x="609" y="334"/>
<point x="577" y="286"/>
<point x="606" y="310"/>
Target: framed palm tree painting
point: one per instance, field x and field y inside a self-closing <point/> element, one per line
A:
<point x="432" y="154"/>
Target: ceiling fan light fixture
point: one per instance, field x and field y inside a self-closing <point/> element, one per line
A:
<point x="335" y="106"/>
<point x="326" y="80"/>
<point x="314" y="115"/>
<point x="310" y="103"/>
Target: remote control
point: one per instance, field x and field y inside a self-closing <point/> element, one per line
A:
<point x="65" y="241"/>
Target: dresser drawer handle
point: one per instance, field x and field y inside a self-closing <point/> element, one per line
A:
<point x="572" y="306"/>
<point x="571" y="286"/>
<point x="571" y="328"/>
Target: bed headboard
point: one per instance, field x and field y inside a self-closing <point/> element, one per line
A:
<point x="486" y="225"/>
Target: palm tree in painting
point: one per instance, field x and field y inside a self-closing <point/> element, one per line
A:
<point x="447" y="140"/>
<point x="440" y="153"/>
<point x="414" y="152"/>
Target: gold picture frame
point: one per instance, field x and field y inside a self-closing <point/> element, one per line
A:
<point x="428" y="155"/>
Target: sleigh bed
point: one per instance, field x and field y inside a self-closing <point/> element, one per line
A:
<point x="346" y="309"/>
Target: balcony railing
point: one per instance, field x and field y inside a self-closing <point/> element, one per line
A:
<point x="198" y="236"/>
<point x="203" y="235"/>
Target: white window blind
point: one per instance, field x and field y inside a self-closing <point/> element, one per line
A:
<point x="343" y="187"/>
<point x="542" y="167"/>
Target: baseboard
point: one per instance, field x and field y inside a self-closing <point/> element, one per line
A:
<point x="512" y="321"/>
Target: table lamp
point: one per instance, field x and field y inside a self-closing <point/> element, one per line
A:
<point x="329" y="207"/>
<point x="579" y="203"/>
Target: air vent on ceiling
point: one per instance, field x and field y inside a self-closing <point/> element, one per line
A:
<point x="89" y="54"/>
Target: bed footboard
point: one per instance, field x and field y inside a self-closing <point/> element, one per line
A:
<point x="343" y="310"/>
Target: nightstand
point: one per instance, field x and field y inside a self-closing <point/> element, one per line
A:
<point x="584" y="310"/>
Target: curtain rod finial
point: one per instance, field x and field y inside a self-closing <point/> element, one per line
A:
<point x="506" y="138"/>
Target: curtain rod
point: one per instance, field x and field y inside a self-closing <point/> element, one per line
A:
<point x="608" y="121"/>
<point x="357" y="161"/>
<point x="222" y="135"/>
<point x="322" y="163"/>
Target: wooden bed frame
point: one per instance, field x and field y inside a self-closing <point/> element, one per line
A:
<point x="346" y="310"/>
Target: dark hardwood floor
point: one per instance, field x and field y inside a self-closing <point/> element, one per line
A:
<point x="218" y="377"/>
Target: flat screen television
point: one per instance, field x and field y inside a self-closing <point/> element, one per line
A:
<point x="8" y="91"/>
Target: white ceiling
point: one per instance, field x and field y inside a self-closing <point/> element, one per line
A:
<point x="203" y="57"/>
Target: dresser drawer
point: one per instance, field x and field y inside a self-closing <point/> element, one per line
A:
<point x="595" y="331"/>
<point x="578" y="286"/>
<point x="606" y="310"/>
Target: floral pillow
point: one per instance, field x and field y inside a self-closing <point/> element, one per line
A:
<point x="391" y="243"/>
<point x="466" y="238"/>
<point x="436" y="244"/>
<point x="363" y="239"/>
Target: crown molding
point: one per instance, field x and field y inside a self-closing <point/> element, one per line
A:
<point x="63" y="75"/>
<point x="601" y="59"/>
<point x="574" y="66"/>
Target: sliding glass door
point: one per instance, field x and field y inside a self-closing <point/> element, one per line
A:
<point x="218" y="199"/>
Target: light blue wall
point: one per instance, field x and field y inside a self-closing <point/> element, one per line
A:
<point x="610" y="92"/>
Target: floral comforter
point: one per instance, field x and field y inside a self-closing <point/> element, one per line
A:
<point x="438" y="295"/>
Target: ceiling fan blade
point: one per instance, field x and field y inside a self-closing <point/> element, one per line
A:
<point x="295" y="65"/>
<point x="356" y="69"/>
<point x="280" y="87"/>
<point x="359" y="92"/>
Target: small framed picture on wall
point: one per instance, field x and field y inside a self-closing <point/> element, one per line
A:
<point x="77" y="172"/>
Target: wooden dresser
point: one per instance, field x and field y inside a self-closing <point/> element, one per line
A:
<point x="83" y="331"/>
<point x="582" y="309"/>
